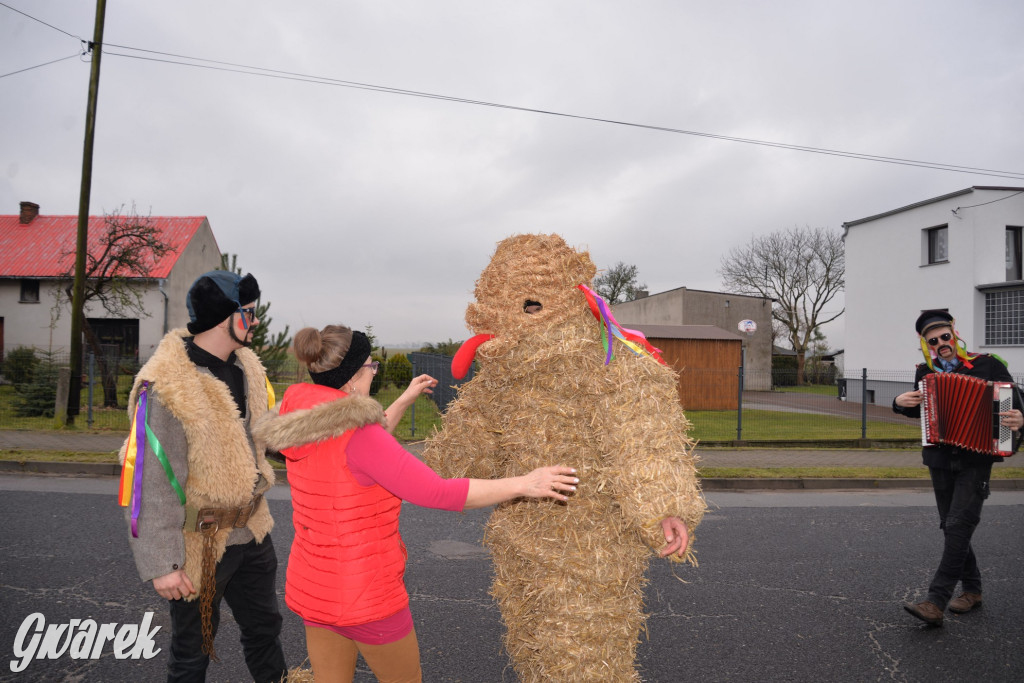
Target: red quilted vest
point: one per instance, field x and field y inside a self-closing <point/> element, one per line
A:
<point x="347" y="561"/>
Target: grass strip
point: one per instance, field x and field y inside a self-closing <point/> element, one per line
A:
<point x="30" y="455"/>
<point x="837" y="472"/>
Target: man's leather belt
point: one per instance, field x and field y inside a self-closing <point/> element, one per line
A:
<point x="210" y="520"/>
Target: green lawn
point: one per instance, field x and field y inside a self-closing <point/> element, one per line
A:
<point x="707" y="425"/>
<point x="770" y="425"/>
<point x="817" y="389"/>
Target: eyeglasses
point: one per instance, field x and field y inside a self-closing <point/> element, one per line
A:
<point x="249" y="313"/>
<point x="945" y="336"/>
<point x="373" y="365"/>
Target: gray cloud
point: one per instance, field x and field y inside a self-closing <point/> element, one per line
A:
<point x="372" y="208"/>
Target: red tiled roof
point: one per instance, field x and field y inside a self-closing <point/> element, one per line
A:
<point x="35" y="249"/>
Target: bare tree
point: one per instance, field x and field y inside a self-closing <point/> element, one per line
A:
<point x="618" y="283"/>
<point x="801" y="269"/>
<point x="122" y="255"/>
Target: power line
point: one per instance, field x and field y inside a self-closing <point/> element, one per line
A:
<point x="29" y="16"/>
<point x="985" y="203"/>
<point x="77" y="54"/>
<point x="231" y="67"/>
<point x="216" y="65"/>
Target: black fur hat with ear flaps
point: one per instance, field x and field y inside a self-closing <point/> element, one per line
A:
<point x="214" y="296"/>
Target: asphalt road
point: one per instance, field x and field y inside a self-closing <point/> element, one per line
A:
<point x="791" y="587"/>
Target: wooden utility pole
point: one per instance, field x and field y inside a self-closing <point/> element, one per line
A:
<point x="78" y="292"/>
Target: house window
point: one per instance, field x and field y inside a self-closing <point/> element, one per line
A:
<point x="938" y="244"/>
<point x="29" y="292"/>
<point x="1013" y="254"/>
<point x="1004" y="317"/>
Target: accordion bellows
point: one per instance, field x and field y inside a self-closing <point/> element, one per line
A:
<point x="960" y="410"/>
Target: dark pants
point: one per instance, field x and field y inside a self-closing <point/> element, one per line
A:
<point x="247" y="579"/>
<point x="959" y="494"/>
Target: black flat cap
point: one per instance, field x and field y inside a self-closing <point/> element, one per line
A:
<point x="929" y="319"/>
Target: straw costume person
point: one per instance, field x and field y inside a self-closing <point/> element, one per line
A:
<point x="559" y="381"/>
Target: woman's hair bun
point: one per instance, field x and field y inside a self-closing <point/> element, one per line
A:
<point x="308" y="345"/>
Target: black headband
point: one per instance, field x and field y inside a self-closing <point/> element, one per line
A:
<point x="358" y="351"/>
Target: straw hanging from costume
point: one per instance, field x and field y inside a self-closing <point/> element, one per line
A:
<point x="634" y="340"/>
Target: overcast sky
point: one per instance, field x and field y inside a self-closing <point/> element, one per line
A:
<point x="373" y="208"/>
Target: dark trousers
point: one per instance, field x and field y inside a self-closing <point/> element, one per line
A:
<point x="247" y="580"/>
<point x="959" y="494"/>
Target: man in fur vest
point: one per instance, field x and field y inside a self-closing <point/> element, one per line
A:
<point x="193" y="481"/>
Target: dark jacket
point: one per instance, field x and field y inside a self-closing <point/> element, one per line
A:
<point x="951" y="457"/>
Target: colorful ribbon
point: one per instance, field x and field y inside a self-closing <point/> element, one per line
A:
<point x="134" y="459"/>
<point x="271" y="397"/>
<point x="124" y="496"/>
<point x="959" y="348"/>
<point x="634" y="340"/>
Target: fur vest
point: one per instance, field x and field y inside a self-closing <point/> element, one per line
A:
<point x="347" y="561"/>
<point x="223" y="470"/>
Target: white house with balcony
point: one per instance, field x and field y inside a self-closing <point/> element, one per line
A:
<point x="961" y="252"/>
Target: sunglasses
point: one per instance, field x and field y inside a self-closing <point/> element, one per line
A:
<point x="945" y="336"/>
<point x="373" y="365"/>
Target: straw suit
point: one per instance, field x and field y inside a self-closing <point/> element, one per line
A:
<point x="569" y="577"/>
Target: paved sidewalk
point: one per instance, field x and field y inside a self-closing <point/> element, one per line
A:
<point x="709" y="457"/>
<point x="60" y="441"/>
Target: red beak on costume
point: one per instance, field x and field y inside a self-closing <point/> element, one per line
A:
<point x="467" y="352"/>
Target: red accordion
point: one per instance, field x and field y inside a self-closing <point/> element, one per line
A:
<point x="960" y="410"/>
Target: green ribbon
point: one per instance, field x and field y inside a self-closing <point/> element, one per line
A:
<point x="158" y="450"/>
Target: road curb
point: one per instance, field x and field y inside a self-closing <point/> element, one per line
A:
<point x="823" y="484"/>
<point x="104" y="469"/>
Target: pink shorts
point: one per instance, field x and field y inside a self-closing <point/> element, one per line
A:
<point x="380" y="632"/>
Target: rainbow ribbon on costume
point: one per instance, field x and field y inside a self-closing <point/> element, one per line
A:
<point x="634" y="340"/>
<point x="134" y="459"/>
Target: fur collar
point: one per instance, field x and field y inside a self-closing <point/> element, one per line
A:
<point x="324" y="421"/>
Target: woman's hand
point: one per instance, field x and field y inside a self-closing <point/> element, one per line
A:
<point x="546" y="482"/>
<point x="424" y="384"/>
<point x="543" y="482"/>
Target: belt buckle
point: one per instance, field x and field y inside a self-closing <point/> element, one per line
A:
<point x="206" y="522"/>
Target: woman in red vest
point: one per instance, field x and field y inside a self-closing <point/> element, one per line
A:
<point x="348" y="478"/>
